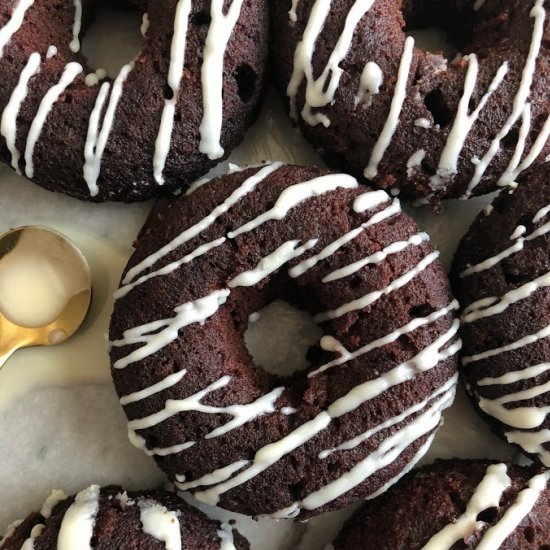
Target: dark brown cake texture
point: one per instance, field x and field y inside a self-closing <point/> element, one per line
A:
<point x="501" y="275"/>
<point x="170" y="115"/>
<point x="249" y="441"/>
<point x="110" y="518"/>
<point x="375" y="106"/>
<point x="456" y="504"/>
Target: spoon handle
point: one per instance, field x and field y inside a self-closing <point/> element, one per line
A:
<point x="11" y="340"/>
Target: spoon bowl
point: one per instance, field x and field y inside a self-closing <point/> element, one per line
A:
<point x="45" y="289"/>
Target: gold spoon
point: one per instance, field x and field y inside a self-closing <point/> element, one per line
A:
<point x="45" y="289"/>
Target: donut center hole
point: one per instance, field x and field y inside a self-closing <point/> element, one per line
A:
<point x="279" y="336"/>
<point x="437" y="26"/>
<point x="111" y="38"/>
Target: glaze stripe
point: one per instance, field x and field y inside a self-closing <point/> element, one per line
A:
<point x="516" y="376"/>
<point x="268" y="455"/>
<point x="246" y="187"/>
<point x="520" y="100"/>
<point x="71" y="71"/>
<point x="14" y="23"/>
<point x="518" y="246"/>
<point x="74" y="46"/>
<point x="487" y="494"/>
<point x="161" y="524"/>
<point x="384" y="140"/>
<point x="217" y="39"/>
<point x="8" y="127"/>
<point x="97" y="138"/>
<point x="377" y="257"/>
<point x="372" y="297"/>
<point x="446" y="389"/>
<point x="463" y="123"/>
<point x="525" y="502"/>
<point x="525" y="341"/>
<point x="481" y="310"/>
<point x="388" y="451"/>
<point x="175" y="73"/>
<point x="77" y="527"/>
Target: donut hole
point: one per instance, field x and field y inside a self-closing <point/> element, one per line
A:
<point x="436" y="103"/>
<point x="438" y="27"/>
<point x="246" y="79"/>
<point x="111" y="37"/>
<point x="279" y="336"/>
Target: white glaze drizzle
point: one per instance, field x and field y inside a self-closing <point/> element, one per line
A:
<point x="71" y="71"/>
<point x="332" y="248"/>
<point x="415" y="162"/>
<point x="523" y="418"/>
<point x="241" y="414"/>
<point x="246" y="187"/>
<point x="217" y="39"/>
<point x="296" y="194"/>
<point x="377" y="257"/>
<point x="510" y="174"/>
<point x="400" y="92"/>
<point x="140" y="443"/>
<point x="8" y="127"/>
<point x="516" y="247"/>
<point x="413" y="325"/>
<point x="516" y="376"/>
<point x="77" y="25"/>
<point x="36" y="531"/>
<point x="422" y="123"/>
<point x="525" y="341"/>
<point x="96" y="140"/>
<point x="77" y="527"/>
<point x="168" y="382"/>
<point x="532" y="442"/>
<point x="443" y="393"/>
<point x="271" y="453"/>
<point x="320" y="92"/>
<point x="388" y="451"/>
<point x="524" y="503"/>
<point x="370" y="83"/>
<point x="270" y="263"/>
<point x="196" y="311"/>
<point x="222" y="474"/>
<point x="292" y="12"/>
<point x="10" y="531"/>
<point x="145" y="24"/>
<point x="486" y="495"/>
<point x="488" y="307"/>
<point x="50" y="503"/>
<point x="539" y="14"/>
<point x="14" y="23"/>
<point x="509" y="178"/>
<point x="371" y="297"/>
<point x="161" y="523"/>
<point x="175" y="73"/>
<point x="52" y="52"/>
<point x="463" y="123"/>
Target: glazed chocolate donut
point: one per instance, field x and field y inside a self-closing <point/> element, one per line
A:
<point x="456" y="504"/>
<point x="220" y="426"/>
<point x="181" y="106"/>
<point x="376" y="106"/>
<point x="110" y="518"/>
<point x="501" y="275"/>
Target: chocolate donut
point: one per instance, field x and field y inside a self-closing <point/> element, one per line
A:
<point x="374" y="105"/>
<point x="181" y="106"/>
<point x="456" y="504"/>
<point x="109" y="518"/>
<point x="253" y="442"/>
<point x="501" y="275"/>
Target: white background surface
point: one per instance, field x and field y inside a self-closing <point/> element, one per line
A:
<point x="60" y="423"/>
